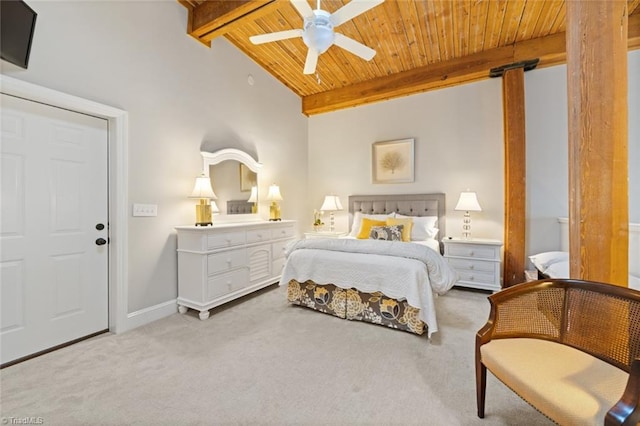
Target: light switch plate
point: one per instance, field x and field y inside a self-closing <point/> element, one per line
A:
<point x="146" y="210"/>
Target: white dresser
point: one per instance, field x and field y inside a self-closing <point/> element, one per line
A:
<point x="477" y="262"/>
<point x="219" y="263"/>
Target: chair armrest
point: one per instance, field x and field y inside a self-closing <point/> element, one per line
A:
<point x="627" y="409"/>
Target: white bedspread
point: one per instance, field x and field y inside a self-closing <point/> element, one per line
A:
<point x="403" y="271"/>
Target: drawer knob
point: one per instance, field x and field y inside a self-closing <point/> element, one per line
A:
<point x="471" y="278"/>
<point x="471" y="266"/>
<point x="259" y="235"/>
<point x="470" y="252"/>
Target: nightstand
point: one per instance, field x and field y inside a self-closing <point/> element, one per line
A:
<point x="324" y="234"/>
<point x="477" y="262"/>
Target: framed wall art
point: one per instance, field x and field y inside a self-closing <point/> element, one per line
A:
<point x="392" y="161"/>
<point x="248" y="178"/>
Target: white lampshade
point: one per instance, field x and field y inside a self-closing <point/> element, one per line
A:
<point x="331" y="203"/>
<point x="468" y="201"/>
<point x="274" y="193"/>
<point x="254" y="195"/>
<point x="214" y="207"/>
<point x="202" y="189"/>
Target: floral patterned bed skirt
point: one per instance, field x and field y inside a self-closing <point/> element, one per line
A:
<point x="351" y="304"/>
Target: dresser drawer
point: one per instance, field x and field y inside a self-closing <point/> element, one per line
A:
<point x="278" y="266"/>
<point x="227" y="283"/>
<point x="278" y="248"/>
<point x="258" y="235"/>
<point x="227" y="239"/>
<point x="283" y="232"/>
<point x="477" y="277"/>
<point x="472" y="265"/>
<point x="472" y="250"/>
<point x="225" y="261"/>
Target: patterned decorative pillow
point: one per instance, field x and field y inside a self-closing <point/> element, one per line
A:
<point x="391" y="233"/>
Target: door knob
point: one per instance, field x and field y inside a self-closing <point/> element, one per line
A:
<point x="101" y="241"/>
<point x="99" y="226"/>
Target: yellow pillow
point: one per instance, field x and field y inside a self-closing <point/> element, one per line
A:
<point x="407" y="223"/>
<point x="365" y="227"/>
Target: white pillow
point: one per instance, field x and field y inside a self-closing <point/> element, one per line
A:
<point x="558" y="270"/>
<point x="542" y="261"/>
<point x="424" y="227"/>
<point x="357" y="221"/>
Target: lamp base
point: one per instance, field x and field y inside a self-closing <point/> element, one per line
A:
<point x="203" y="213"/>
<point x="274" y="212"/>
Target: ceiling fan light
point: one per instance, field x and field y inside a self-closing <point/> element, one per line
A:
<point x="318" y="32"/>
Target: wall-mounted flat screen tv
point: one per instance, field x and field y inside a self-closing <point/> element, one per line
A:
<point x="17" y="24"/>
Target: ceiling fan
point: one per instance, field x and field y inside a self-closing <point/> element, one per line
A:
<point x="318" y="33"/>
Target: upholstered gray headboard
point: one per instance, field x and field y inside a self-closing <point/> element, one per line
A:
<point x="405" y="204"/>
<point x="239" y="207"/>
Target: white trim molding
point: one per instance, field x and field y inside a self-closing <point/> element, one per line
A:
<point x="118" y="196"/>
<point x="211" y="158"/>
<point x="152" y="313"/>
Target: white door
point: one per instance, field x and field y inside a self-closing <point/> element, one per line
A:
<point x="53" y="211"/>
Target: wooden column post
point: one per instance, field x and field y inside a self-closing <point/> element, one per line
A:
<point x="514" y="176"/>
<point x="598" y="134"/>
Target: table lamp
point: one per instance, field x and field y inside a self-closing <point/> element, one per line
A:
<point x="203" y="191"/>
<point x="254" y="199"/>
<point x="468" y="202"/>
<point x="331" y="204"/>
<point x="274" y="196"/>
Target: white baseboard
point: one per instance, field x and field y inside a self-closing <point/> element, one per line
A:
<point x="150" y="314"/>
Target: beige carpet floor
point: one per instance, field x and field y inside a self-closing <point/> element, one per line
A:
<point x="261" y="361"/>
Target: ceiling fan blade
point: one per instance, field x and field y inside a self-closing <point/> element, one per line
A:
<point x="351" y="10"/>
<point x="354" y="47"/>
<point x="311" y="62"/>
<point x="303" y="8"/>
<point x="280" y="35"/>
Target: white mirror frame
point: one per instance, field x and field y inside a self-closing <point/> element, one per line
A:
<point x="211" y="158"/>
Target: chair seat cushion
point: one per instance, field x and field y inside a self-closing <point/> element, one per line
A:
<point x="569" y="386"/>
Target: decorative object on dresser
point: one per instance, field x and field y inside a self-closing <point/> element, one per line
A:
<point x="253" y="199"/>
<point x="223" y="262"/>
<point x="203" y="191"/>
<point x="392" y="161"/>
<point x="331" y="204"/>
<point x="274" y="196"/>
<point x="468" y="202"/>
<point x="477" y="262"/>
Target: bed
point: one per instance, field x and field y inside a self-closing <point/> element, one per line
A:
<point x="387" y="271"/>
<point x="555" y="264"/>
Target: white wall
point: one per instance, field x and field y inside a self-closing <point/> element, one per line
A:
<point x="548" y="157"/>
<point x="458" y="146"/>
<point x="181" y="97"/>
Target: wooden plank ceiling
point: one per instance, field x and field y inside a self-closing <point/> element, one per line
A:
<point x="421" y="44"/>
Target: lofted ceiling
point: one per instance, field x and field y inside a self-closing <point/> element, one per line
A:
<point x="421" y="44"/>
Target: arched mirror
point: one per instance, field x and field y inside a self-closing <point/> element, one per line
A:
<point x="234" y="179"/>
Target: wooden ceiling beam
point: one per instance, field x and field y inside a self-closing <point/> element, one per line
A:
<point x="551" y="50"/>
<point x="212" y="19"/>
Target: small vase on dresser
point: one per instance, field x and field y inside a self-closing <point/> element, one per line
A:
<point x="220" y="263"/>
